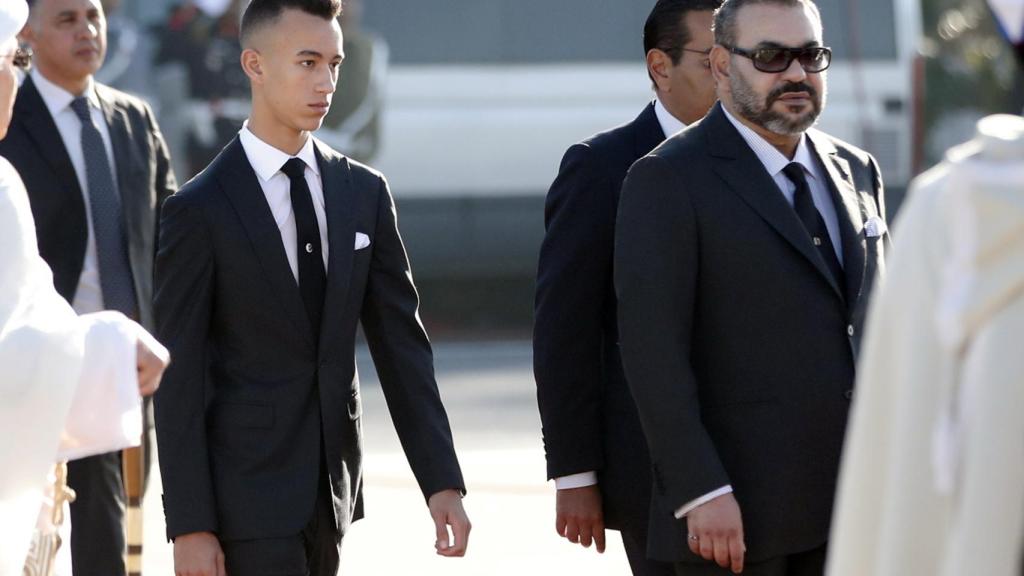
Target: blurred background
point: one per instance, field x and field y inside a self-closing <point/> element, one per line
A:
<point x="468" y="105"/>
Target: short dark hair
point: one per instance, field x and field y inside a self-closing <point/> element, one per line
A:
<point x="259" y="13"/>
<point x="725" y="17"/>
<point x="665" y="30"/>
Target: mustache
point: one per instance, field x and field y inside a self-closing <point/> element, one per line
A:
<point x="790" y="87"/>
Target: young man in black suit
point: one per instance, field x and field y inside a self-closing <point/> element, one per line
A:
<point x="595" y="449"/>
<point x="745" y="252"/>
<point x="96" y="169"/>
<point x="267" y="262"/>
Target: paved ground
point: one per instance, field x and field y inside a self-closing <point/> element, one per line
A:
<point x="490" y="395"/>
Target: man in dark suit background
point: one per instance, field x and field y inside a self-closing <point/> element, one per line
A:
<point x="595" y="448"/>
<point x="268" y="261"/>
<point x="745" y="252"/>
<point x="96" y="169"/>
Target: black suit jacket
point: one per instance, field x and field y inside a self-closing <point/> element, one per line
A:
<point x="253" y="399"/>
<point x="144" y="178"/>
<point x="738" y="345"/>
<point x="589" y="419"/>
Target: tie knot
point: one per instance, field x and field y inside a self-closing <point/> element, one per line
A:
<point x="795" y="172"/>
<point x="80" y="106"/>
<point x="294" y="168"/>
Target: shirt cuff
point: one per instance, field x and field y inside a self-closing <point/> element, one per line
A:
<point x="576" y="480"/>
<point x="685" y="509"/>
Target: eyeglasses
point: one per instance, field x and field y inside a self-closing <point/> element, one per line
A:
<point x="22" y="58"/>
<point x="705" y="53"/>
<point x="812" y="59"/>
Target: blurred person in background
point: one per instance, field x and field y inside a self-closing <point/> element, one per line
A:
<point x="746" y="247"/>
<point x="933" y="475"/>
<point x="353" y="126"/>
<point x="201" y="38"/>
<point x="70" y="384"/>
<point x="96" y="170"/>
<point x="596" y="452"/>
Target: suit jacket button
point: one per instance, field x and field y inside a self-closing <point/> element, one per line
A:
<point x="848" y="394"/>
<point x="309" y="248"/>
<point x="850" y="330"/>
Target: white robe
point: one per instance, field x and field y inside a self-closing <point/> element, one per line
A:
<point x="68" y="384"/>
<point x="932" y="479"/>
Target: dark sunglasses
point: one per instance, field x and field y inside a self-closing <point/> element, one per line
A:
<point x="22" y="58"/>
<point x="813" y="59"/>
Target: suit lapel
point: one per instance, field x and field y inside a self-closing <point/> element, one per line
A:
<point x="31" y="112"/>
<point x="648" y="132"/>
<point x="240" y="184"/>
<point x="125" y="154"/>
<point x="740" y="168"/>
<point x="134" y="199"/>
<point x="851" y="221"/>
<point x="339" y="204"/>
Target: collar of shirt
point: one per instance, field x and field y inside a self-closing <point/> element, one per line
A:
<point x="58" y="99"/>
<point x="267" y="160"/>
<point x="773" y="160"/>
<point x="669" y="123"/>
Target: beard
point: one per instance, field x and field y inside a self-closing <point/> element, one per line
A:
<point x="759" y="110"/>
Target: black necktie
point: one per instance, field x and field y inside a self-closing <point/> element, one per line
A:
<point x="312" y="279"/>
<point x="107" y="218"/>
<point x="803" y="204"/>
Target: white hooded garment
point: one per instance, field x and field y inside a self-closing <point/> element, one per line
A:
<point x="68" y="386"/>
<point x="932" y="480"/>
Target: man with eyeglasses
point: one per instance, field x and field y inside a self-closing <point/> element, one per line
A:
<point x="595" y="448"/>
<point x="745" y="252"/>
<point x="96" y="169"/>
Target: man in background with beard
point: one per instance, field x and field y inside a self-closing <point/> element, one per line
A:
<point x="745" y="251"/>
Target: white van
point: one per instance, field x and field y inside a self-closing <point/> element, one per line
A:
<point x="484" y="96"/>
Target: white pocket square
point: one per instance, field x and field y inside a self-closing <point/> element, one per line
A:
<point x="874" y="227"/>
<point x="362" y="240"/>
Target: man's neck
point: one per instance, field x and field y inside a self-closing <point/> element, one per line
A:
<point x="682" y="113"/>
<point x="285" y="139"/>
<point x="74" y="86"/>
<point x="784" y="143"/>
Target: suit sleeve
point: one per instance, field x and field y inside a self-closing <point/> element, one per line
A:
<point x="182" y="304"/>
<point x="404" y="360"/>
<point x="574" y="293"/>
<point x="165" y="183"/>
<point x="656" y="274"/>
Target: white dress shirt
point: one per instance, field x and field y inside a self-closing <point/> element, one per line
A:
<point x="774" y="161"/>
<point x="267" y="161"/>
<point x="670" y="125"/>
<point x="88" y="295"/>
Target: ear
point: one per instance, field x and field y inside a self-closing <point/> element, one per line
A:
<point x="658" y="64"/>
<point x="252" y="65"/>
<point x="720" y="61"/>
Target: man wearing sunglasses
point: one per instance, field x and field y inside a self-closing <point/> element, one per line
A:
<point x="746" y="248"/>
<point x="96" y="169"/>
<point x="594" y="446"/>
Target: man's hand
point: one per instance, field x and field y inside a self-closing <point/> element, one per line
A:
<point x="152" y="359"/>
<point x="198" y="554"/>
<point x="446" y="510"/>
<point x="716" y="532"/>
<point x="579" y="516"/>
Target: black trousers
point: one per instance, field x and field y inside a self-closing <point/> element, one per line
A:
<point x="97" y="515"/>
<point x="635" y="542"/>
<point x="313" y="552"/>
<point x="810" y="563"/>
